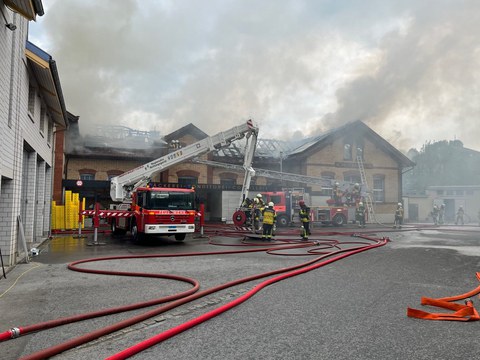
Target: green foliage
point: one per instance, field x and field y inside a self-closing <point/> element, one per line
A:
<point x="442" y="163"/>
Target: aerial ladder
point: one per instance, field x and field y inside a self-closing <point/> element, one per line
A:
<point x="146" y="210"/>
<point x="122" y="186"/>
<point x="367" y="195"/>
<point x="272" y="174"/>
<point x="332" y="214"/>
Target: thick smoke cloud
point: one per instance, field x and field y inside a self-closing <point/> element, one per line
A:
<point x="409" y="69"/>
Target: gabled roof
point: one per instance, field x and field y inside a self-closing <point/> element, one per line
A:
<point x="355" y="127"/>
<point x="44" y="70"/>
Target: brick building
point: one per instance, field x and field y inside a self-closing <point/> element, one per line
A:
<point x="31" y="109"/>
<point x="332" y="155"/>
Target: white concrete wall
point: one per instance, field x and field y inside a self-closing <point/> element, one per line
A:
<point x="26" y="154"/>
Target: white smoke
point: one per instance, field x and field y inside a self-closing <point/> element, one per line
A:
<point x="409" y="69"/>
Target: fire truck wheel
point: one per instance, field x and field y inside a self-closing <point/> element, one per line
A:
<point x="282" y="221"/>
<point x="239" y="218"/>
<point x="115" y="230"/>
<point x="339" y="220"/>
<point x="136" y="236"/>
<point x="180" y="237"/>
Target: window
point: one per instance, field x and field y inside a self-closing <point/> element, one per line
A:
<point x="228" y="182"/>
<point x="168" y="200"/>
<point x="228" y="179"/>
<point x="439" y="192"/>
<point x="459" y="192"/>
<point x="31" y="100"/>
<point x="43" y="115"/>
<point x="359" y="153"/>
<point x="276" y="199"/>
<point x="352" y="178"/>
<point x="347" y="151"/>
<point x="187" y="180"/>
<point x="87" y="176"/>
<point x="50" y="131"/>
<point x="360" y="145"/>
<point x="378" y="188"/>
<point x="188" y="177"/>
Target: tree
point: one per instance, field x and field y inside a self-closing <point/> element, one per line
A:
<point x="442" y="163"/>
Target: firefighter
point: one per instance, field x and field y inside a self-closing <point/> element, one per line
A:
<point x="305" y="219"/>
<point x="247" y="206"/>
<point x="460" y="214"/>
<point x="269" y="219"/>
<point x="398" y="216"/>
<point x="360" y="215"/>
<point x="441" y="214"/>
<point x="260" y="201"/>
<point x="355" y="195"/>
<point x="258" y="207"/>
<point x="337" y="194"/>
<point x="434" y="213"/>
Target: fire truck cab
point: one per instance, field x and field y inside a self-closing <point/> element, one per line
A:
<point x="285" y="204"/>
<point x="157" y="211"/>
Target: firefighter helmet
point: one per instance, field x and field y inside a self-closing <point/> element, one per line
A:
<point x="301" y="203"/>
<point x="270" y="204"/>
<point x="259" y="196"/>
<point x="360" y="203"/>
<point x="399" y="204"/>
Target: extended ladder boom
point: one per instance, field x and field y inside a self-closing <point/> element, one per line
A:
<point x="304" y="179"/>
<point x="121" y="186"/>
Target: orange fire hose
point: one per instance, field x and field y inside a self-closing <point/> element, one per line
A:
<point x="462" y="312"/>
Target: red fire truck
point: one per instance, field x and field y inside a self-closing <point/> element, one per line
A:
<point x="337" y="213"/>
<point x="285" y="203"/>
<point x="148" y="210"/>
<point x="157" y="211"/>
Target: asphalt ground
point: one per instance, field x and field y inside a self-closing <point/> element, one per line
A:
<point x="354" y="308"/>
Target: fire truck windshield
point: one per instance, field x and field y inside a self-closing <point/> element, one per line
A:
<point x="170" y="200"/>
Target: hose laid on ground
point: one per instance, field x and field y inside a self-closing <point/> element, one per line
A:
<point x="194" y="322"/>
<point x="20" y="331"/>
<point x="462" y="312"/>
<point x="187" y="296"/>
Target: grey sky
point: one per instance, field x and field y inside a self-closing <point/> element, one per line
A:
<point x="409" y="69"/>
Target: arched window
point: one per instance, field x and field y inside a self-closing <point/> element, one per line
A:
<point x="347" y="149"/>
<point x="188" y="177"/>
<point x="87" y="174"/>
<point x="228" y="179"/>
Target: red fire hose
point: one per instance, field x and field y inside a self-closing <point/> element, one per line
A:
<point x="184" y="297"/>
<point x="189" y="324"/>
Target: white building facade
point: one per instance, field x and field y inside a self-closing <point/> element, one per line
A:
<point x="31" y="109"/>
